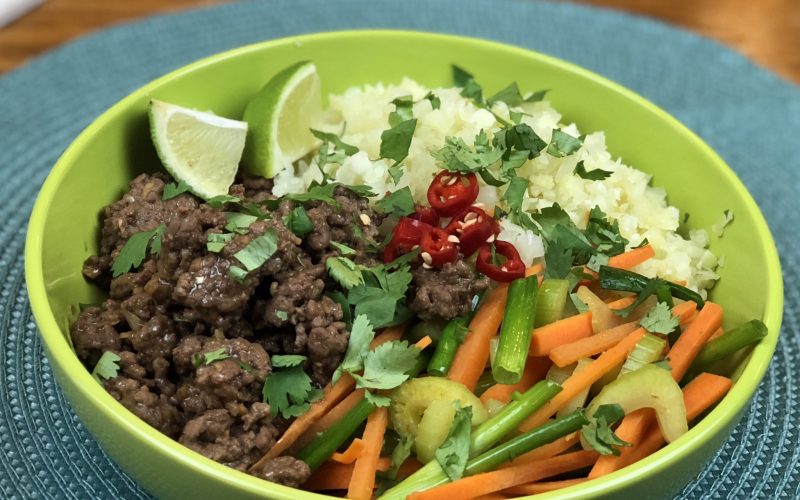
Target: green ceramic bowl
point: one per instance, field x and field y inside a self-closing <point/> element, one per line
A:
<point x="95" y="169"/>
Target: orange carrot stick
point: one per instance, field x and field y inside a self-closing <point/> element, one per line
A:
<point x="583" y="379"/>
<point x="557" y="447"/>
<point x="334" y="415"/>
<point x="698" y="395"/>
<point x="335" y="476"/>
<point x="351" y="454"/>
<point x="692" y="340"/>
<point x="632" y="258"/>
<point x="632" y="429"/>
<point x="500" y="479"/>
<point x="423" y="342"/>
<point x="544" y="486"/>
<point x="471" y="356"/>
<point x="567" y="354"/>
<point x="362" y="481"/>
<point x="535" y="370"/>
<point x="567" y="330"/>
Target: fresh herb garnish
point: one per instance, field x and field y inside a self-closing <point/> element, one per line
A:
<point x="387" y="366"/>
<point x="287" y="360"/>
<point x="216" y="241"/>
<point x="238" y="222"/>
<point x="282" y="315"/>
<point x="382" y="289"/>
<point x="604" y="234"/>
<point x="402" y="110"/>
<point x="298" y="222"/>
<point x="333" y="149"/>
<point x="377" y="400"/>
<point x="209" y="357"/>
<point x="237" y="274"/>
<point x="220" y="200"/>
<point x="396" y="141"/>
<point x="659" y="319"/>
<point x="436" y="103"/>
<point x="361" y="335"/>
<point x="563" y="144"/>
<point x="453" y="453"/>
<point x="258" y="251"/>
<point x="106" y="367"/>
<point x="591" y="175"/>
<point x="343" y="249"/>
<point x="288" y="388"/>
<point x="135" y="250"/>
<point x="344" y="271"/>
<point x="399" y="203"/>
<point x="171" y="190"/>
<point x="598" y="432"/>
<point x="396" y="172"/>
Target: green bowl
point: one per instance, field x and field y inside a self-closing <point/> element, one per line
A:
<point x="95" y="169"/>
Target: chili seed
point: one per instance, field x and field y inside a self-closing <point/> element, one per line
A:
<point x="451" y="181"/>
<point x="470" y="216"/>
<point x="490" y="239"/>
<point x="414" y="247"/>
<point x="469" y="222"/>
<point x="426" y="258"/>
<point x="453" y="239"/>
<point x="445" y="179"/>
<point x="365" y="219"/>
<point x="426" y="266"/>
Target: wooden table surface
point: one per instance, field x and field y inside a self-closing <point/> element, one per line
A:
<point x="768" y="31"/>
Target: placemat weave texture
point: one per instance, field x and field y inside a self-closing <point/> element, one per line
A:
<point x="748" y="115"/>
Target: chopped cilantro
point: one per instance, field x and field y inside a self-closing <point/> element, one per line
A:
<point x="509" y="95"/>
<point x="258" y="251"/>
<point x="377" y="400"/>
<point x="597" y="260"/>
<point x="217" y="241"/>
<point x="457" y="156"/>
<point x="287" y="360"/>
<point x="333" y="149"/>
<point x="520" y="137"/>
<point x="654" y="286"/>
<point x="343" y="249"/>
<point x="106" y="367"/>
<point x="402" y="110"/>
<point x="396" y="172"/>
<point x="363" y="190"/>
<point x="537" y="96"/>
<point x="237" y="274"/>
<point x="436" y="103"/>
<point x="563" y="144"/>
<point x="387" y="366"/>
<point x="592" y="175"/>
<point x="400" y="454"/>
<point x="598" y="432"/>
<point x="171" y="190"/>
<point x="396" y="140"/>
<point x="361" y="335"/>
<point x="220" y="200"/>
<point x="469" y="87"/>
<point x="288" y="389"/>
<point x="382" y="288"/>
<point x="209" y="357"/>
<point x="239" y="222"/>
<point x="341" y="299"/>
<point x="453" y="453"/>
<point x="298" y="222"/>
<point x="317" y="192"/>
<point x="246" y="367"/>
<point x="603" y="234"/>
<point x="135" y="250"/>
<point x="344" y="271"/>
<point x="515" y="193"/>
<point x="516" y="116"/>
<point x="282" y="315"/>
<point x="399" y="203"/>
<point x="659" y="319"/>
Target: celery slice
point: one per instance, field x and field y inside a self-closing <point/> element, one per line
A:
<point x="648" y="350"/>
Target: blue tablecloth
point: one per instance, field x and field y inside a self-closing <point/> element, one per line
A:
<point x="750" y="116"/>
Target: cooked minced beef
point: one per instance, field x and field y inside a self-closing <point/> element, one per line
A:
<point x="181" y="304"/>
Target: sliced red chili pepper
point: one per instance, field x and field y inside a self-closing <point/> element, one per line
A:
<point x="437" y="249"/>
<point x="426" y="215"/>
<point x="472" y="227"/>
<point x="452" y="192"/>
<point x="405" y="236"/>
<point x="505" y="272"/>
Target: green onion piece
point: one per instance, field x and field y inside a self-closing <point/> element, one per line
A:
<point x="648" y="350"/>
<point x="551" y="300"/>
<point x="728" y="343"/>
<point x="452" y="336"/>
<point x="328" y="441"/>
<point x="513" y="414"/>
<point x="485" y="381"/>
<point x="515" y="333"/>
<point x="612" y="278"/>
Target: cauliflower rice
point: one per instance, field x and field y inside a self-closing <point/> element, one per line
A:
<point x="625" y="196"/>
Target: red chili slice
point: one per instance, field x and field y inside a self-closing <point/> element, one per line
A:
<point x="437" y="249"/>
<point x="509" y="270"/>
<point x="405" y="236"/>
<point x="452" y="192"/>
<point x="472" y="227"/>
<point x="426" y="215"/>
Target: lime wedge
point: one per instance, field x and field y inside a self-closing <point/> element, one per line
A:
<point x="199" y="148"/>
<point x="279" y="118"/>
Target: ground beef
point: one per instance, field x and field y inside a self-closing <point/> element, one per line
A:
<point x="154" y="409"/>
<point x="93" y="333"/>
<point x="447" y="292"/>
<point x="287" y="471"/>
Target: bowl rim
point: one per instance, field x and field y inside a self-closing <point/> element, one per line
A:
<point x="61" y="352"/>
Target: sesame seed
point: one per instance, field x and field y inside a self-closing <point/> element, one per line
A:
<point x="426" y="257"/>
<point x="490" y="239"/>
<point x="453" y="239"/>
<point x="365" y="219"/>
<point x="414" y="247"/>
<point x="199" y="280"/>
<point x="452" y="181"/>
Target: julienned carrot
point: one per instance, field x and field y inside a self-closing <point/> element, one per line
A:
<point x="362" y="481"/>
<point x="335" y="476"/>
<point x="327" y="420"/>
<point x="632" y="258"/>
<point x="557" y="447"/>
<point x="567" y="330"/>
<point x="544" y="486"/>
<point x="535" y="370"/>
<point x="693" y="338"/>
<point x="500" y="479"/>
<point x="586" y="347"/>
<point x="472" y="355"/>
<point x="583" y="379"/>
<point x="716" y="334"/>
<point x="632" y="429"/>
<point x="332" y="395"/>
<point x="492" y="496"/>
<point x="698" y="395"/>
<point x="567" y="354"/>
<point x="423" y="342"/>
<point x="351" y="454"/>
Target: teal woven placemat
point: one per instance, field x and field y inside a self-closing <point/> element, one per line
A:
<point x="748" y="115"/>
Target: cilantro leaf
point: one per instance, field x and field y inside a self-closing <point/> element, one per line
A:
<point x="171" y="190"/>
<point x="377" y="400"/>
<point x="316" y="193"/>
<point x="387" y="366"/>
<point x="236" y="273"/>
<point x="288" y="390"/>
<point x="343" y="249"/>
<point x="345" y="271"/>
<point x="209" y="357"/>
<point x="457" y="156"/>
<point x="593" y="175"/>
<point x="396" y="172"/>
<point x="220" y="200"/>
<point x="287" y="360"/>
<point x="258" y="251"/>
<point x="436" y="103"/>
<point x="402" y="110"/>
<point x="298" y="222"/>
<point x="364" y="190"/>
<point x="603" y="234"/>
<point x="509" y="95"/>
<point x="399" y="203"/>
<point x="597" y="260"/>
<point x="239" y="222"/>
<point x="333" y="149"/>
<point x="135" y="250"/>
<point x="469" y="87"/>
<point x="378" y="296"/>
<point x="216" y="241"/>
<point x="515" y="192"/>
<point x="563" y="144"/>
<point x="361" y="336"/>
<point x="654" y="286"/>
<point x="396" y="140"/>
<point x="520" y="137"/>
<point x="282" y="315"/>
<point x="598" y="432"/>
<point x="659" y="319"/>
<point x="106" y="367"/>
<point x="400" y="454"/>
<point x="537" y="96"/>
<point x="453" y="453"/>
